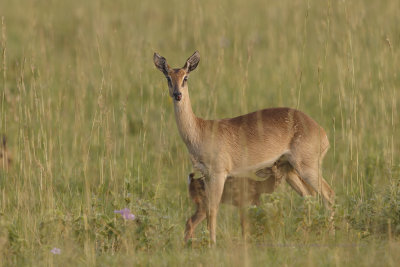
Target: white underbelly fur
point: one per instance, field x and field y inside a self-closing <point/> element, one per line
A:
<point x="256" y="172"/>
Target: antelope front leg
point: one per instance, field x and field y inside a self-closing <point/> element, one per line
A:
<point x="214" y="189"/>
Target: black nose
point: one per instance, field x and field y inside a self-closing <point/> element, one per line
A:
<point x="178" y="96"/>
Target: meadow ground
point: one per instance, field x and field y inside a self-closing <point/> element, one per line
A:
<point x="91" y="129"/>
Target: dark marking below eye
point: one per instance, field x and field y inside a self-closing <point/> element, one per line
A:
<point x="184" y="80"/>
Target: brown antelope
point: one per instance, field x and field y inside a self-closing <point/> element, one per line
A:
<point x="243" y="146"/>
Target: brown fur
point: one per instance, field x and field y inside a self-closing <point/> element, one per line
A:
<point x="242" y="145"/>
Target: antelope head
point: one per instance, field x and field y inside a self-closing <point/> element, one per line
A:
<point x="177" y="78"/>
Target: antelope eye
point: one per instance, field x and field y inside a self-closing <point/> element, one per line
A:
<point x="185" y="79"/>
<point x="169" y="79"/>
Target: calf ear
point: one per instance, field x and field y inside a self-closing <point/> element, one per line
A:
<point x="161" y="63"/>
<point x="192" y="62"/>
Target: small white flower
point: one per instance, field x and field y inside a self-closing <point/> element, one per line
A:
<point x="56" y="251"/>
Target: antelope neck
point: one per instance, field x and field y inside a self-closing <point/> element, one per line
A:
<point x="187" y="122"/>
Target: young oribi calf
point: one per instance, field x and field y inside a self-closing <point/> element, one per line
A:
<point x="242" y="192"/>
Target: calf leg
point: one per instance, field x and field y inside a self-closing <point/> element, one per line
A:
<point x="193" y="221"/>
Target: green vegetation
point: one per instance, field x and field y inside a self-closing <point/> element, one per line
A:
<point x="91" y="129"/>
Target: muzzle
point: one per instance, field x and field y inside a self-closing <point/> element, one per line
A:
<point x="177" y="96"/>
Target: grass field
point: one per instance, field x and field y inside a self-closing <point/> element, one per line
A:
<point x="91" y="128"/>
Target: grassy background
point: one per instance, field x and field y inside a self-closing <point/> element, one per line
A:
<point x="91" y="128"/>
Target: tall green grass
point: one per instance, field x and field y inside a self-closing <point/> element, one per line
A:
<point x="91" y="128"/>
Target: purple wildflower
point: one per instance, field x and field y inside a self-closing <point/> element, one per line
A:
<point x="126" y="214"/>
<point x="56" y="251"/>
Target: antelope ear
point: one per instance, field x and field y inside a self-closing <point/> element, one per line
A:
<point x="192" y="62"/>
<point x="161" y="63"/>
